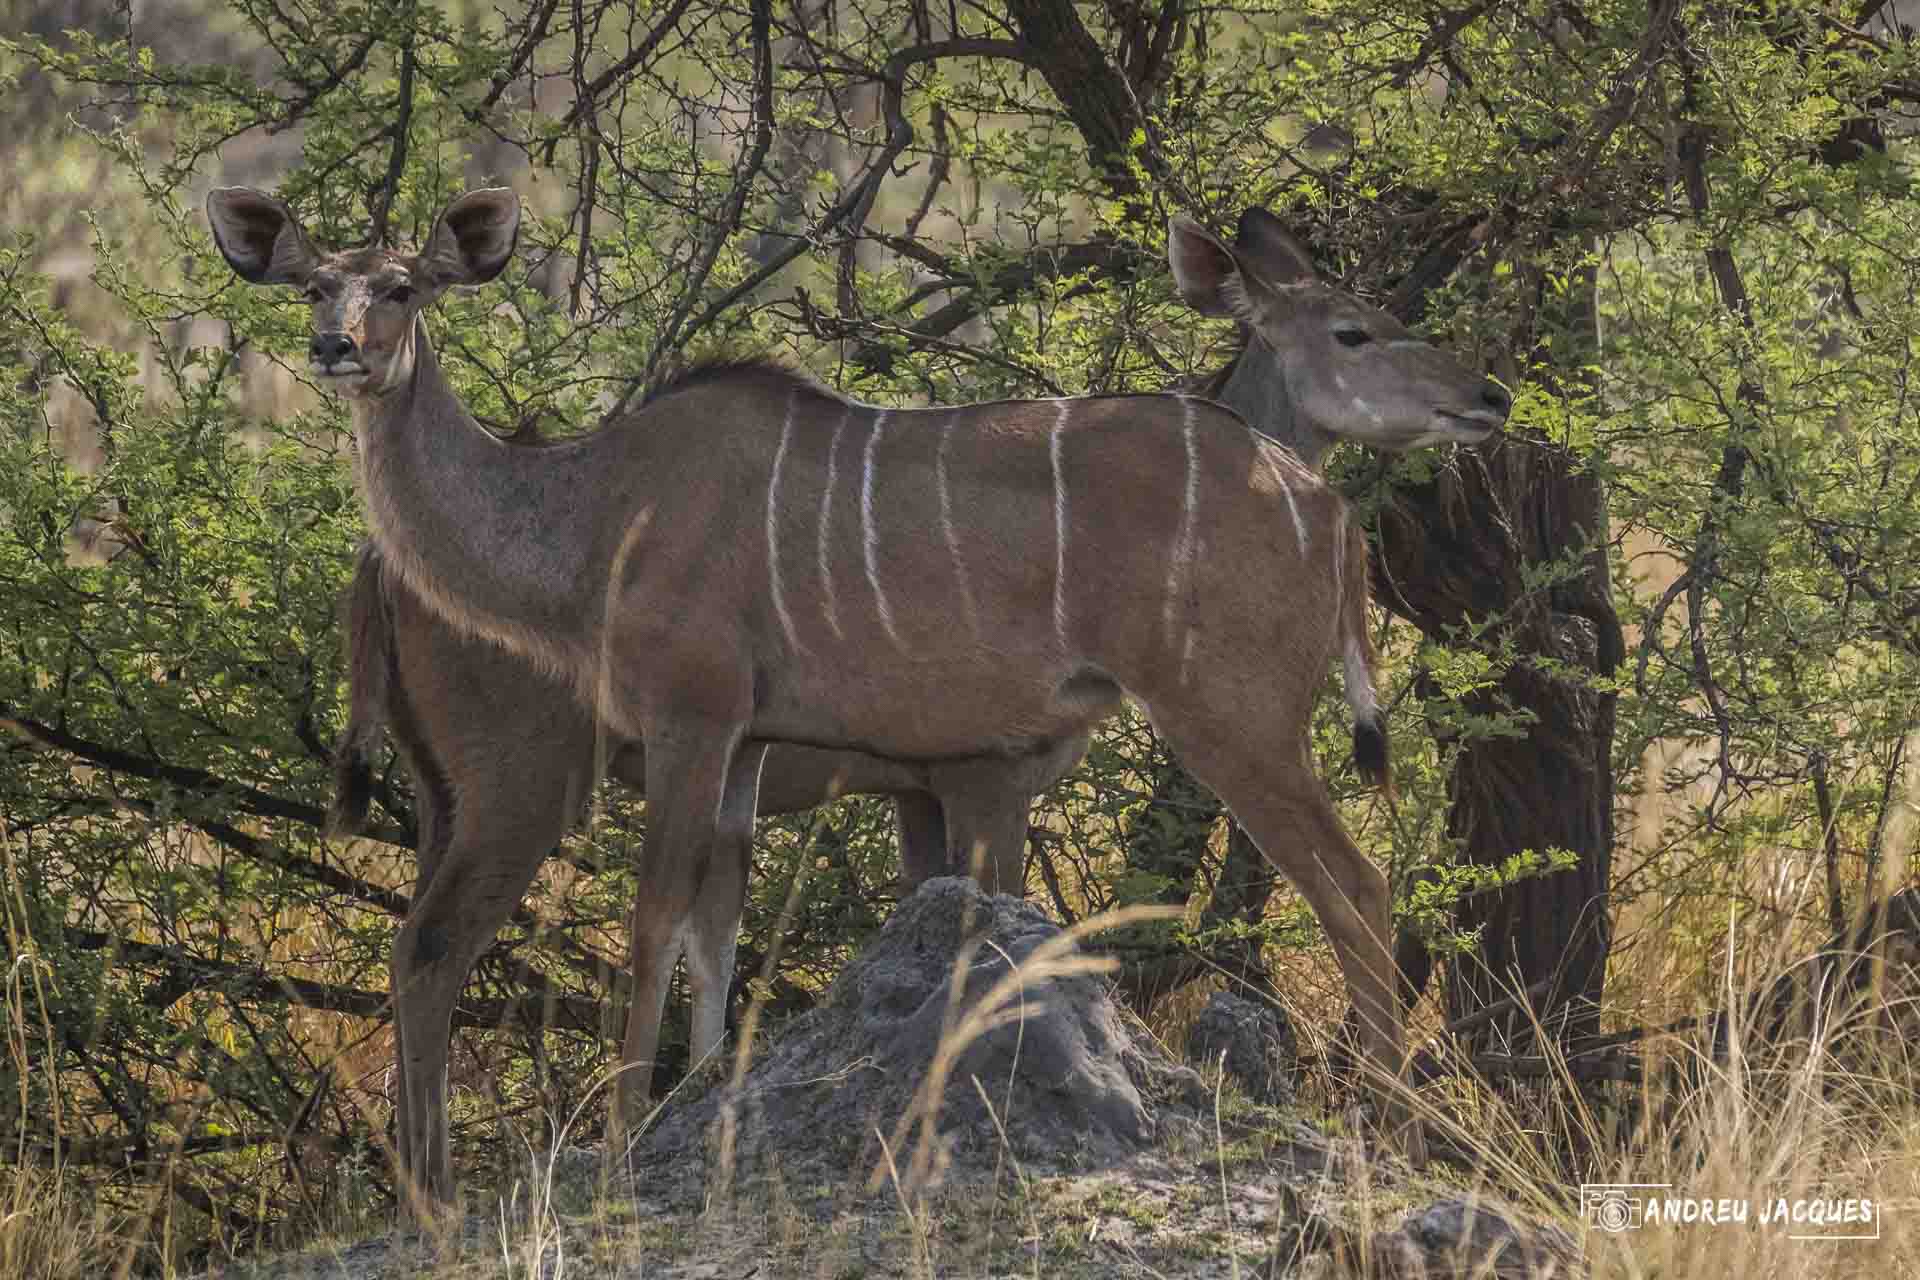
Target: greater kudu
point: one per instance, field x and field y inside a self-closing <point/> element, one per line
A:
<point x="1024" y="566"/>
<point x="466" y="714"/>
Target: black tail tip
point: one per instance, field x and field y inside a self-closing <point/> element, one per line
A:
<point x="1370" y="752"/>
<point x="352" y="795"/>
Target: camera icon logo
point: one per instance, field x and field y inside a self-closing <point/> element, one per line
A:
<point x="1610" y="1206"/>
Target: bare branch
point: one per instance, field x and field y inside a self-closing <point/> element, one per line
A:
<point x="736" y="202"/>
<point x="585" y="102"/>
<point x="252" y="800"/>
<point x="397" y="158"/>
<point x="537" y="27"/>
<point x="188" y="972"/>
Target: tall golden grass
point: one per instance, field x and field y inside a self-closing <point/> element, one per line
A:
<point x="1825" y="1112"/>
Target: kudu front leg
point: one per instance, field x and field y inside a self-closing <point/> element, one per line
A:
<point x="493" y="846"/>
<point x="988" y="804"/>
<point x="1285" y="809"/>
<point x="688" y="766"/>
<point x="433" y="815"/>
<point x="987" y="829"/>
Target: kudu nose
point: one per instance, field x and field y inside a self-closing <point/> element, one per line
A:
<point x="1495" y="397"/>
<point x="330" y="348"/>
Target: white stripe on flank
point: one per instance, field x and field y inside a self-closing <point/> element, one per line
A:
<point x="1269" y="451"/>
<point x="826" y="527"/>
<point x="773" y="530"/>
<point x="1059" y="527"/>
<point x="603" y="691"/>
<point x="871" y="535"/>
<point x="947" y="526"/>
<point x="1180" y="564"/>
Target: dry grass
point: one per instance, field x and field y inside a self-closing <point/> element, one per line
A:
<point x="50" y="1229"/>
<point x="1828" y="1116"/>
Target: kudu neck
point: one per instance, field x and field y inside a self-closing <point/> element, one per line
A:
<point x="1255" y="387"/>
<point x="466" y="518"/>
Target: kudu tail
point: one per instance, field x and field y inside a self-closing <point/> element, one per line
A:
<point x="1370" y="746"/>
<point x="369" y="660"/>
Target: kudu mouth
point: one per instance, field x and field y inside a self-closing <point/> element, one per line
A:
<point x="1480" y="422"/>
<point x="346" y="378"/>
<point x="1470" y="427"/>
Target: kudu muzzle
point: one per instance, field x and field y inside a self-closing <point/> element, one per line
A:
<point x="334" y="352"/>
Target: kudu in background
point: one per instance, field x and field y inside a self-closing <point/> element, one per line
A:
<point x="914" y="584"/>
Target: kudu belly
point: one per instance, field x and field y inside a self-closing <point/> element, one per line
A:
<point x="929" y="711"/>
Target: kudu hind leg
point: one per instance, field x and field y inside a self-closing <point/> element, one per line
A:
<point x="687" y="770"/>
<point x="714" y="933"/>
<point x="1284" y="807"/>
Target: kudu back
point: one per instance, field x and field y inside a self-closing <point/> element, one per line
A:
<point x="932" y="585"/>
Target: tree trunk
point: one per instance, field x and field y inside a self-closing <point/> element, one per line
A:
<point x="1452" y="551"/>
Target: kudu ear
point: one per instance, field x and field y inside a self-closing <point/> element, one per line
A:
<point x="1209" y="275"/>
<point x="259" y="236"/>
<point x="473" y="240"/>
<point x="1273" y="255"/>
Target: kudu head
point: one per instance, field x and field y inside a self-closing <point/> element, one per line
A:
<point x="1344" y="369"/>
<point x="364" y="300"/>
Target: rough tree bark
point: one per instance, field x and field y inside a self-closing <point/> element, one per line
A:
<point x="1452" y="551"/>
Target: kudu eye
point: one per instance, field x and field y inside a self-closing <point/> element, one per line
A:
<point x="313" y="294"/>
<point x="1351" y="335"/>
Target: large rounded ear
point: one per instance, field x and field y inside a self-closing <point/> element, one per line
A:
<point x="1201" y="266"/>
<point x="259" y="236"/>
<point x="1269" y="252"/>
<point x="1209" y="276"/>
<point x="473" y="240"/>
